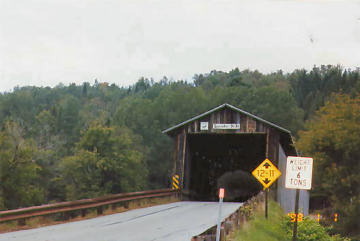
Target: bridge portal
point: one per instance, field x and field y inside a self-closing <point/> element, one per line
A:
<point x="223" y="160"/>
<point x="221" y="147"/>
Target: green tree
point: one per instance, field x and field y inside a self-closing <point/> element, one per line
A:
<point x="46" y="128"/>
<point x="332" y="138"/>
<point x="107" y="160"/>
<point x="19" y="172"/>
<point x="311" y="89"/>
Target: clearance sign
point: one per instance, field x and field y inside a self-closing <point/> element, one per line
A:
<point x="298" y="172"/>
<point x="266" y="173"/>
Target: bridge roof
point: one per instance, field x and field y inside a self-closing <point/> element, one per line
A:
<point x="286" y="134"/>
<point x="233" y="108"/>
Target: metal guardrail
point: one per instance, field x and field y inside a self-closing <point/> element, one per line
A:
<point x="84" y="204"/>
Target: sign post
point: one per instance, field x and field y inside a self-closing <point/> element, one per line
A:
<point x="266" y="202"/>
<point x="298" y="176"/>
<point x="221" y="198"/>
<point x="297" y="197"/>
<point x="266" y="173"/>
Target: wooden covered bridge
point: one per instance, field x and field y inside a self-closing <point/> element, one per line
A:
<point x="222" y="146"/>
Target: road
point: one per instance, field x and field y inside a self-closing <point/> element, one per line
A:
<point x="170" y="222"/>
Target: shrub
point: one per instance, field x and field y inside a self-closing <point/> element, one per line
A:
<point x="310" y="230"/>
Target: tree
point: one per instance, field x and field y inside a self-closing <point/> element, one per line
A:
<point x="107" y="160"/>
<point x="46" y="128"/>
<point x="332" y="138"/>
<point x="19" y="172"/>
<point x="312" y="89"/>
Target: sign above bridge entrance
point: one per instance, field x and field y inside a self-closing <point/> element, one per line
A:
<point x="226" y="126"/>
<point x="266" y="173"/>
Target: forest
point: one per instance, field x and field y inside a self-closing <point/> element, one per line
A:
<point x="80" y="141"/>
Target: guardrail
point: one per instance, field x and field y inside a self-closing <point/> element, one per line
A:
<point x="233" y="221"/>
<point x="23" y="213"/>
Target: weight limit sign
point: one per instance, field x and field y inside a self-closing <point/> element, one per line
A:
<point x="298" y="172"/>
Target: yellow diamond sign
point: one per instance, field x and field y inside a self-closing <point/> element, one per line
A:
<point x="266" y="173"/>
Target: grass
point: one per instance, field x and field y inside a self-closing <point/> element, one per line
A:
<point x="37" y="222"/>
<point x="258" y="228"/>
<point x="279" y="228"/>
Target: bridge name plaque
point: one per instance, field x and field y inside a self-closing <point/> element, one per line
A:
<point x="226" y="126"/>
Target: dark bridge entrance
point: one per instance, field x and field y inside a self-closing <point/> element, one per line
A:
<point x="220" y="148"/>
<point x="224" y="160"/>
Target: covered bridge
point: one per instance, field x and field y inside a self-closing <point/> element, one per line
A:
<point x="222" y="146"/>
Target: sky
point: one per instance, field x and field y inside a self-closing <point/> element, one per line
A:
<point x="44" y="43"/>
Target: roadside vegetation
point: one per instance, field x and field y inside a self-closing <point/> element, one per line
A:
<point x="279" y="228"/>
<point x="332" y="138"/>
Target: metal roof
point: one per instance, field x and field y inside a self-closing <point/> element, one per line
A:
<point x="233" y="108"/>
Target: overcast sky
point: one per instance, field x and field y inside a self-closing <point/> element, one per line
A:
<point x="45" y="42"/>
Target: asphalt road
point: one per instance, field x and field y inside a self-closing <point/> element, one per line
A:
<point x="170" y="222"/>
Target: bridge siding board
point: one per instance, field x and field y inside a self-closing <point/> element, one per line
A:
<point x="251" y="125"/>
<point x="184" y="152"/>
<point x="187" y="168"/>
<point x="179" y="154"/>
